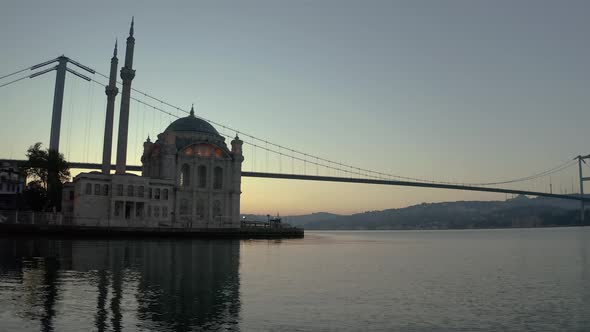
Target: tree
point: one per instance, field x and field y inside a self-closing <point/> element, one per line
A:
<point x="48" y="170"/>
<point x="35" y="196"/>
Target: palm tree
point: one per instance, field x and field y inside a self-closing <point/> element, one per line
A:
<point x="49" y="169"/>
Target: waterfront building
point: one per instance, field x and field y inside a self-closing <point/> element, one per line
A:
<point x="12" y="183"/>
<point x="190" y="178"/>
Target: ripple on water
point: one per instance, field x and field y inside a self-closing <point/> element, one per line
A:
<point x="481" y="280"/>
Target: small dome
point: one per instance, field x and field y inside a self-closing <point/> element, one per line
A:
<point x="192" y="123"/>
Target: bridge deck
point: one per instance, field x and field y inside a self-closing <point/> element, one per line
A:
<point x="135" y="168"/>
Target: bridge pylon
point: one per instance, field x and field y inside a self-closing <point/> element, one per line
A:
<point x="58" y="94"/>
<point x="581" y="159"/>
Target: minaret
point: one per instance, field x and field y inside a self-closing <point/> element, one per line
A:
<point x="236" y="178"/>
<point x="236" y="148"/>
<point x="111" y="92"/>
<point x="127" y="74"/>
<point x="145" y="157"/>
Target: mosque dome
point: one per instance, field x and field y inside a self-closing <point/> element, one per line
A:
<point x="192" y="123"/>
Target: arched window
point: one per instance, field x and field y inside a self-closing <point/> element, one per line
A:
<point x="157" y="193"/>
<point x="140" y="191"/>
<point x="119" y="190"/>
<point x="105" y="189"/>
<point x="202" y="170"/>
<point x="130" y="190"/>
<point x="217" y="178"/>
<point x="185" y="176"/>
<point x="165" y="194"/>
<point x="88" y="189"/>
<point x="217" y="209"/>
<point x="97" y="189"/>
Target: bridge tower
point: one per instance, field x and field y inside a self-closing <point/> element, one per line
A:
<point x="127" y="75"/>
<point x="58" y="99"/>
<point x="111" y="92"/>
<point x="582" y="179"/>
<point x="58" y="94"/>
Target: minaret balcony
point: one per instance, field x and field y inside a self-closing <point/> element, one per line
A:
<point x="111" y="91"/>
<point x="127" y="74"/>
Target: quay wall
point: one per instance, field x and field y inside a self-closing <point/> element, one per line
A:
<point x="55" y="224"/>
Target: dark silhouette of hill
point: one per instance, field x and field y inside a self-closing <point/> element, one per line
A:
<point x="517" y="212"/>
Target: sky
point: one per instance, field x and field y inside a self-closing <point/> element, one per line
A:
<point x="461" y="91"/>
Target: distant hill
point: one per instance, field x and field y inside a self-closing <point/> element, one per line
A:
<point x="517" y="212"/>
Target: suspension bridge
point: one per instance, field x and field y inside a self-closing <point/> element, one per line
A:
<point x="309" y="167"/>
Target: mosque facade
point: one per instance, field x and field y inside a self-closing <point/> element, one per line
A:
<point x="190" y="178"/>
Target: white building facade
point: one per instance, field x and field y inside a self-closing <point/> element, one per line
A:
<point x="12" y="180"/>
<point x="190" y="179"/>
<point x="12" y="184"/>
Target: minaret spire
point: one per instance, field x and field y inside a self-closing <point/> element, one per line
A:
<point x="111" y="92"/>
<point x="129" y="50"/>
<point x="127" y="75"/>
<point x="192" y="113"/>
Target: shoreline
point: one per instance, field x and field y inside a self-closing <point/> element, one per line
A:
<point x="441" y="229"/>
<point x="153" y="232"/>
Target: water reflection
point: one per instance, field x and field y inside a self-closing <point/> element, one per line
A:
<point x="101" y="311"/>
<point x="50" y="290"/>
<point x="171" y="285"/>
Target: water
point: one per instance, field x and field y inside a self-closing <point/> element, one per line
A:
<point x="473" y="280"/>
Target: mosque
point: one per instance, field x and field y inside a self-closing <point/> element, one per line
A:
<point x="190" y="178"/>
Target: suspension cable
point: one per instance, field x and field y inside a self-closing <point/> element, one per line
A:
<point x="16" y="72"/>
<point x="342" y="168"/>
<point x="21" y="70"/>
<point x="14" y="81"/>
<point x="369" y="173"/>
<point x="534" y="176"/>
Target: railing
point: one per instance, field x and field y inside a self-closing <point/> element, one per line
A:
<point x="192" y="221"/>
<point x="264" y="224"/>
<point x="33" y="218"/>
<point x="57" y="218"/>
